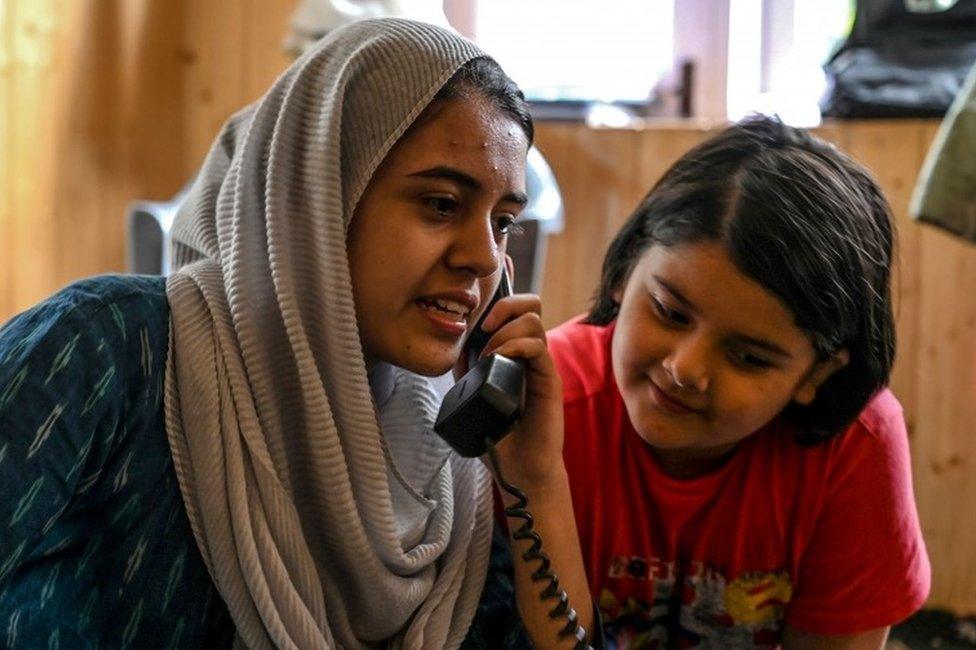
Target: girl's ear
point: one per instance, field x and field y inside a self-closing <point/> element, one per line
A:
<point x="818" y="374"/>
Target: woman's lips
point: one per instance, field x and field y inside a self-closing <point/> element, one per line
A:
<point x="450" y="323"/>
<point x="449" y="310"/>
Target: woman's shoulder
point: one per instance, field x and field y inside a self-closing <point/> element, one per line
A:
<point x="91" y="345"/>
<point x="125" y="300"/>
<point x="81" y="381"/>
<point x="113" y="307"/>
<point x="90" y="296"/>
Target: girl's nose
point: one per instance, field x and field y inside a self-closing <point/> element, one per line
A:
<point x="688" y="363"/>
<point x="475" y="248"/>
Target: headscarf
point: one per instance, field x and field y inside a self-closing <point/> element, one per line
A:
<point x="313" y="529"/>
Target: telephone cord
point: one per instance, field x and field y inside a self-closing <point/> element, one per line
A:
<point x="543" y="573"/>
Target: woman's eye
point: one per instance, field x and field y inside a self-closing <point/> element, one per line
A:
<point x="506" y="225"/>
<point x="669" y="315"/>
<point x="443" y="206"/>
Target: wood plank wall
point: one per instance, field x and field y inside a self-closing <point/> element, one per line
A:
<point x="106" y="101"/>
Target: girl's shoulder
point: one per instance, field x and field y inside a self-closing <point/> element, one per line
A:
<point x="871" y="454"/>
<point x="876" y="440"/>
<point x="881" y="423"/>
<point x="882" y="416"/>
<point x="581" y="353"/>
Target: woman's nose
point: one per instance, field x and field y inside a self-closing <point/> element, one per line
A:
<point x="688" y="363"/>
<point x="475" y="248"/>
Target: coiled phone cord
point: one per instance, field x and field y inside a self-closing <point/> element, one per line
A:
<point x="543" y="573"/>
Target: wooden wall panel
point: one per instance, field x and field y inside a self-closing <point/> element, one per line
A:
<point x="893" y="151"/>
<point x="7" y="278"/>
<point x="659" y="149"/>
<point x="266" y="24"/>
<point x="232" y="53"/>
<point x="596" y="172"/>
<point x="834" y="133"/>
<point x="119" y="136"/>
<point x="109" y="101"/>
<point x="33" y="35"/>
<point x="214" y="84"/>
<point x="944" y="446"/>
<point x="89" y="124"/>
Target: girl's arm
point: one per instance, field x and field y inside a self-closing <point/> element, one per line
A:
<point x="531" y="459"/>
<point x="794" y="639"/>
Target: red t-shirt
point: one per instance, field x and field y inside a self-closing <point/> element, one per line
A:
<point x="825" y="538"/>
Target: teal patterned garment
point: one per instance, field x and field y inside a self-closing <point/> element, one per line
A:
<point x="96" y="549"/>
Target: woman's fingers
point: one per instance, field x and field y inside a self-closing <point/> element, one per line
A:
<point x="528" y="348"/>
<point x="508" y="308"/>
<point x="526" y="326"/>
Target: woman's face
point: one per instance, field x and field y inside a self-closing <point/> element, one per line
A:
<point x="705" y="356"/>
<point x="428" y="237"/>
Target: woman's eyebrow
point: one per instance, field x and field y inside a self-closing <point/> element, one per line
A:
<point x="467" y="181"/>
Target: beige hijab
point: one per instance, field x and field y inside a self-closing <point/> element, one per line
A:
<point x="312" y="529"/>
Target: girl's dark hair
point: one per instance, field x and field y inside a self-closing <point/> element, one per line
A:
<point x="804" y="221"/>
<point x="484" y="76"/>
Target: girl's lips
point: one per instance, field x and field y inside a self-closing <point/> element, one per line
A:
<point x="669" y="403"/>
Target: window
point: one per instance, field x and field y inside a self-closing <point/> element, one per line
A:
<point x="582" y="50"/>
<point x="748" y="55"/>
<point x="777" y="49"/>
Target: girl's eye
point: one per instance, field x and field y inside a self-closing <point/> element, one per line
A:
<point x="443" y="206"/>
<point x="749" y="361"/>
<point x="668" y="315"/>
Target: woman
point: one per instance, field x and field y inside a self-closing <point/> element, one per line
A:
<point x="277" y="476"/>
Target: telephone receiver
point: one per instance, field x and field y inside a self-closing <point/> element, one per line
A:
<point x="489" y="399"/>
<point x="479" y="411"/>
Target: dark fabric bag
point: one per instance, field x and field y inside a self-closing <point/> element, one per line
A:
<point x="897" y="63"/>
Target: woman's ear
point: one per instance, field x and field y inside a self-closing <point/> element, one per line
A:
<point x="510" y="267"/>
<point x="818" y="374"/>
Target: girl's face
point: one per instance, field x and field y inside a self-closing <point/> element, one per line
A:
<point x="427" y="240"/>
<point x="705" y="356"/>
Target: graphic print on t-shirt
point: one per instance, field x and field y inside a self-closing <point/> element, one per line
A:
<point x="651" y="603"/>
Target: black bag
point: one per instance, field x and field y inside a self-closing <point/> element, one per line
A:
<point x="897" y="63"/>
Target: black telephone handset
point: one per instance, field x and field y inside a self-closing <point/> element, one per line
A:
<point x="478" y="411"/>
<point x="489" y="399"/>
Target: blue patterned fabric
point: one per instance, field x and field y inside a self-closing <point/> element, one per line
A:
<point x="95" y="544"/>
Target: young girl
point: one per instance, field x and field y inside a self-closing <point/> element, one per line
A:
<point x="740" y="473"/>
<point x="246" y="448"/>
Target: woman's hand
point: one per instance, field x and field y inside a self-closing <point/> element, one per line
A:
<point x="531" y="458"/>
<point x="531" y="454"/>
